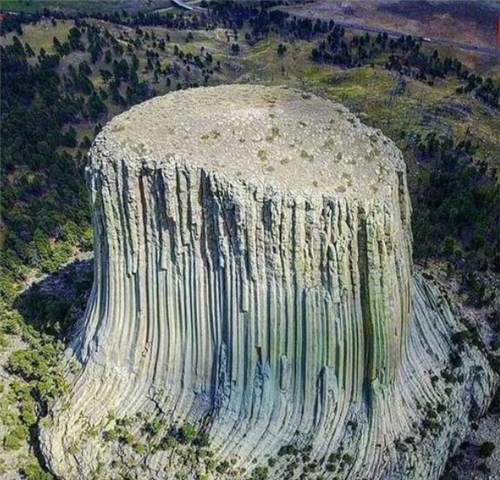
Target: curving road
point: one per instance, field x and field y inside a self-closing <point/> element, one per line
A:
<point x="188" y="6"/>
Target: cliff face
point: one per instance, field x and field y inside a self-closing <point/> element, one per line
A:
<point x="253" y="276"/>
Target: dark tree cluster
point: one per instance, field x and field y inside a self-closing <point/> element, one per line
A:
<point x="405" y="54"/>
<point x="263" y="21"/>
<point x="485" y="90"/>
<point x="457" y="210"/>
<point x="36" y="121"/>
<point x="338" y="51"/>
<point x="14" y="23"/>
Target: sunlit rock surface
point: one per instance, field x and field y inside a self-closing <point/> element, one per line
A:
<point x="253" y="276"/>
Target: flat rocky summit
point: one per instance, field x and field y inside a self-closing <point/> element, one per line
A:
<point x="275" y="136"/>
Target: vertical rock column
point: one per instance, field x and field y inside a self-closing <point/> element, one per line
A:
<point x="244" y="248"/>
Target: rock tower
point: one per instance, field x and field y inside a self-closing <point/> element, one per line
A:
<point x="253" y="276"/>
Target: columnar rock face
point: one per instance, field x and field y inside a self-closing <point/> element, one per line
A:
<point x="253" y="276"/>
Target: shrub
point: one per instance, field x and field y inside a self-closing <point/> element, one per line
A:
<point x="187" y="433"/>
<point x="15" y="438"/>
<point x="35" y="472"/>
<point x="203" y="440"/>
<point x="288" y="450"/>
<point x="223" y="467"/>
<point x="494" y="361"/>
<point x="482" y="467"/>
<point x="168" y="442"/>
<point x="486" y="449"/>
<point x="455" y="360"/>
<point x="260" y="473"/>
<point x="348" y="458"/>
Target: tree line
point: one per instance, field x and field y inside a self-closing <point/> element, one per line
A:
<point x="405" y="56"/>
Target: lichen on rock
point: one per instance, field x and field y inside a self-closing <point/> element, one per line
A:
<point x="253" y="276"/>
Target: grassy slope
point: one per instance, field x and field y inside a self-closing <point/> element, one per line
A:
<point x="41" y="35"/>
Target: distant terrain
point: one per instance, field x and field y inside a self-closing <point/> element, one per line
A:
<point x="471" y="22"/>
<point x="65" y="75"/>
<point x="465" y="21"/>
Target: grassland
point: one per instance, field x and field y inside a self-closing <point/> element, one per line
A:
<point x="31" y="6"/>
<point x="42" y="34"/>
<point x="382" y="98"/>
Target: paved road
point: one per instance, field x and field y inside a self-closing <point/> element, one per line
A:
<point x="493" y="52"/>
<point x="188" y="6"/>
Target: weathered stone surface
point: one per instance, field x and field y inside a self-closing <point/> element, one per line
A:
<point x="253" y="275"/>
